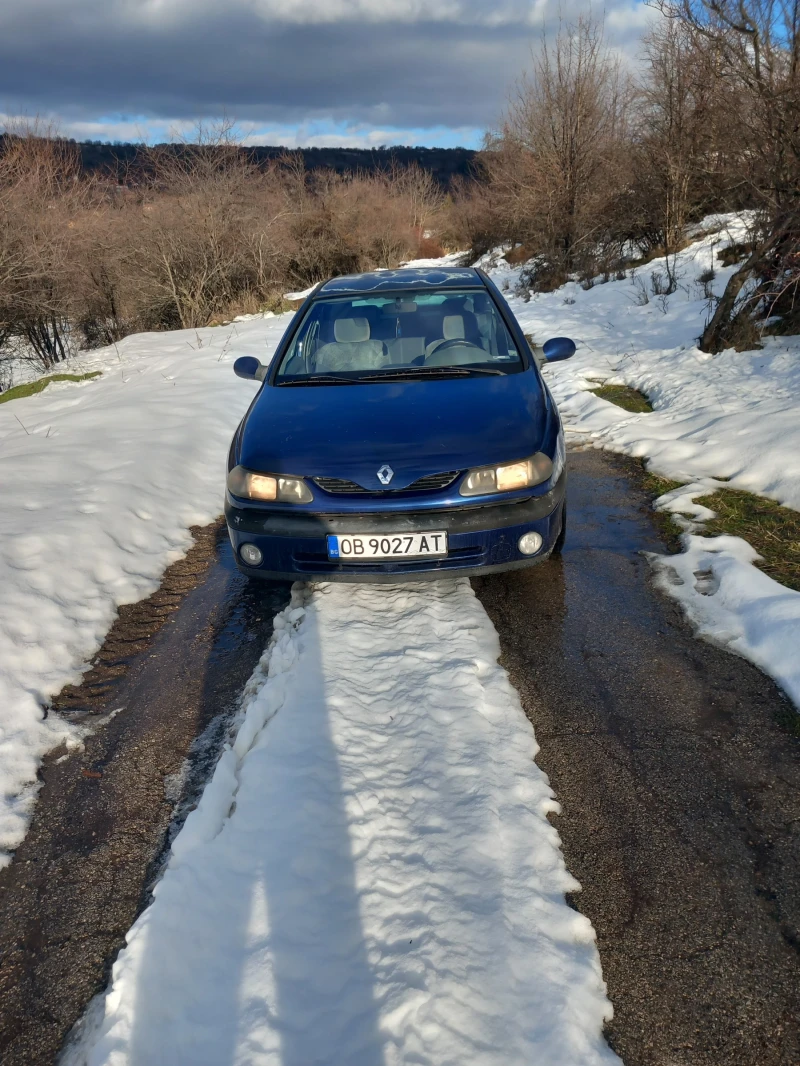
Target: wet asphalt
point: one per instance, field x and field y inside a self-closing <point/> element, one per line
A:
<point x="680" y="790"/>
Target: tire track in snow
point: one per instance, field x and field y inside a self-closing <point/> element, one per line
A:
<point x="370" y="877"/>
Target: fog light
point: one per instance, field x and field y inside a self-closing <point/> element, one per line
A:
<point x="529" y="543"/>
<point x="252" y="556"/>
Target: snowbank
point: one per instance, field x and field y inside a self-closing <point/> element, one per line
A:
<point x="370" y="877"/>
<point x="452" y="259"/>
<point x="100" y="482"/>
<point x="733" y="416"/>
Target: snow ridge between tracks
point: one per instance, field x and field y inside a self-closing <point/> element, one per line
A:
<point x="370" y="876"/>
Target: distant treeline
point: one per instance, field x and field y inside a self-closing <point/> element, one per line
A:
<point x="444" y="164"/>
<point x="190" y="235"/>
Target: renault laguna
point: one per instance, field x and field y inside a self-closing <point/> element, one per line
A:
<point x="402" y="430"/>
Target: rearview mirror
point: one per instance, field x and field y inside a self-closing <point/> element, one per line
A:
<point x="558" y="348"/>
<point x="247" y="366"/>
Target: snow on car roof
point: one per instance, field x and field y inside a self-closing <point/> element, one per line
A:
<point x="404" y="278"/>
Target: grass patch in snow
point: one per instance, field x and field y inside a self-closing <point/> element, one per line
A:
<point x="656" y="486"/>
<point x="733" y="254"/>
<point x="30" y="388"/>
<point x="773" y="531"/>
<point x="625" y="397"/>
<point x="658" y="253"/>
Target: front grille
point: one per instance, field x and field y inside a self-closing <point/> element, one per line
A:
<point x="341" y="486"/>
<point x="434" y="481"/>
<point x="338" y="485"/>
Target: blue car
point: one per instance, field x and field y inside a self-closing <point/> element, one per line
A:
<point x="402" y="431"/>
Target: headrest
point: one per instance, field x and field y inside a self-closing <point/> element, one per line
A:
<point x="351" y="330"/>
<point x="453" y="327"/>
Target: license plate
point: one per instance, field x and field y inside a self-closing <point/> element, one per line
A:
<point x="359" y="546"/>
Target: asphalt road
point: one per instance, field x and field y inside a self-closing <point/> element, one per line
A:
<point x="680" y="792"/>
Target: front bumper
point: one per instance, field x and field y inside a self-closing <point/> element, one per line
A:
<point x="482" y="539"/>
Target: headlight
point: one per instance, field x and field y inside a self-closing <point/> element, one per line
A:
<point x="252" y="486"/>
<point x="487" y="479"/>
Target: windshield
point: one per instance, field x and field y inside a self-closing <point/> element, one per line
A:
<point x="416" y="334"/>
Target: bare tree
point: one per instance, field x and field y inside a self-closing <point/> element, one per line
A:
<point x="203" y="238"/>
<point x="558" y="157"/>
<point x="196" y="232"/>
<point x="758" y="45"/>
<point x="41" y="193"/>
<point x="422" y="196"/>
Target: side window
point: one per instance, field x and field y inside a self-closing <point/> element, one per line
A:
<point x="300" y="361"/>
<point x="500" y="342"/>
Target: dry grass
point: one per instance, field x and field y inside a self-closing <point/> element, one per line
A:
<point x="520" y="253"/>
<point x="773" y="531"/>
<point x="656" y="486"/>
<point x="30" y="388"/>
<point x="623" y="396"/>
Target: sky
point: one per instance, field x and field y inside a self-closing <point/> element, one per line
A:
<point x="293" y="72"/>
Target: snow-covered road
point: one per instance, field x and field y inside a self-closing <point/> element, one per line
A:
<point x="370" y="877"/>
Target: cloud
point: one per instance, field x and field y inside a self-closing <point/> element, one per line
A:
<point x="388" y="67"/>
<point x="321" y="12"/>
<point x="324" y="135"/>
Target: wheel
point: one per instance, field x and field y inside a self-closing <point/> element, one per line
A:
<point x="562" y="536"/>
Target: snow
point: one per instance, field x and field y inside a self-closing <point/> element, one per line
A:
<point x="370" y="876"/>
<point x="735" y="415"/>
<point x="100" y="482"/>
<point x="735" y="605"/>
<point x="451" y="259"/>
<point x="300" y="295"/>
<point x="729" y="420"/>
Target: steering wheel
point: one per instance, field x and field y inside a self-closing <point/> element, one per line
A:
<point x="444" y="345"/>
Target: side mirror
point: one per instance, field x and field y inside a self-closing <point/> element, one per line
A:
<point x="558" y="348"/>
<point x="247" y="366"/>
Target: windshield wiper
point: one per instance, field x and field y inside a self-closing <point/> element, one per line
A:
<point x="428" y="372"/>
<point x="320" y="379"/>
<point x="398" y="373"/>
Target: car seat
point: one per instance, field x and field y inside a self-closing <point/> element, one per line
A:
<point x="353" y="349"/>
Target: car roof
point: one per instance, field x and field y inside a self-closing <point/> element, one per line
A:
<point x="403" y="278"/>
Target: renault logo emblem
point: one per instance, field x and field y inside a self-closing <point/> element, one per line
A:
<point x="385" y="474"/>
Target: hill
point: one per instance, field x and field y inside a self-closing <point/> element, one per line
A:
<point x="443" y="163"/>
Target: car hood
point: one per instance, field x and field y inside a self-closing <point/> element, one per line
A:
<point x="418" y="427"/>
